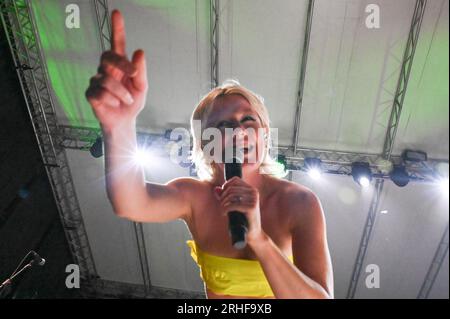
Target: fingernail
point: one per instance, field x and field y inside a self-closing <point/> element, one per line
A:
<point x="129" y="99"/>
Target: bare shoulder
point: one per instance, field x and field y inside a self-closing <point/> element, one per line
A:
<point x="297" y="201"/>
<point x="293" y="193"/>
<point x="184" y="182"/>
<point x="188" y="185"/>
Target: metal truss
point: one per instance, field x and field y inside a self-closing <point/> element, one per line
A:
<point x="435" y="266"/>
<point x="405" y="71"/>
<point x="214" y="40"/>
<point x="333" y="162"/>
<point x="399" y="97"/>
<point x="301" y="86"/>
<point x="113" y="289"/>
<point x="366" y="236"/>
<point x="19" y="24"/>
<point x="104" y="23"/>
<point x="79" y="138"/>
<point x="340" y="163"/>
<point x="145" y="268"/>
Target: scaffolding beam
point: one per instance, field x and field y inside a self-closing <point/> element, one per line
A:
<point x="403" y="79"/>
<point x="143" y="258"/>
<point x="214" y="41"/>
<point x="23" y="39"/>
<point x="435" y="266"/>
<point x="301" y="86"/>
<point x="103" y="22"/>
<point x="113" y="289"/>
<point x="333" y="162"/>
<point x="399" y="97"/>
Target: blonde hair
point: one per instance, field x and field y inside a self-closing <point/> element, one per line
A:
<point x="205" y="170"/>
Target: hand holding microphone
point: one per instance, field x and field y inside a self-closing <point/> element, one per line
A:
<point x="241" y="202"/>
<point x="237" y="222"/>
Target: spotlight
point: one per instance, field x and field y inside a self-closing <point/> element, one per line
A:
<point x="384" y="166"/>
<point x="314" y="167"/>
<point x="364" y="181"/>
<point x="399" y="176"/>
<point x="97" y="148"/>
<point x="361" y="173"/>
<point x="444" y="184"/>
<point x="442" y="169"/>
<point x="315" y="174"/>
<point x="281" y="159"/>
<point x="414" y="156"/>
<point x="143" y="157"/>
<point x="442" y="173"/>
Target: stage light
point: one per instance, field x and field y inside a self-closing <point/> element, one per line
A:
<point x="399" y="176"/>
<point x="143" y="157"/>
<point x="313" y="167"/>
<point x="281" y="160"/>
<point x="97" y="148"/>
<point x="442" y="173"/>
<point x="364" y="181"/>
<point x="442" y="169"/>
<point x="384" y="166"/>
<point x="414" y="156"/>
<point x="444" y="184"/>
<point x="315" y="174"/>
<point x="361" y="173"/>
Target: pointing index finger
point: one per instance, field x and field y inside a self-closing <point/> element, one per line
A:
<point x="118" y="33"/>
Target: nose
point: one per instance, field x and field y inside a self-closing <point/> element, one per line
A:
<point x="241" y="134"/>
<point x="240" y="131"/>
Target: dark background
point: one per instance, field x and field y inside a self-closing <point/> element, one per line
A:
<point x="29" y="218"/>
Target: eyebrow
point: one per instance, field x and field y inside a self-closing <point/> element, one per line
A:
<point x="254" y="115"/>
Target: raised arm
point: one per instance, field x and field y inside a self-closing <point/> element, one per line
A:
<point x="117" y="94"/>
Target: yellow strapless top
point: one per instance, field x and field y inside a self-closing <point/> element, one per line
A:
<point x="231" y="276"/>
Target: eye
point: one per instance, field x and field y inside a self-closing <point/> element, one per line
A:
<point x="248" y="118"/>
<point x="224" y="124"/>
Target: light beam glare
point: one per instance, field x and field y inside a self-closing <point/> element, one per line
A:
<point x="444" y="184"/>
<point x="315" y="173"/>
<point x="143" y="157"/>
<point x="364" y="181"/>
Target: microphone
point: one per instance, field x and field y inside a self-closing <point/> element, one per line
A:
<point x="37" y="259"/>
<point x="237" y="222"/>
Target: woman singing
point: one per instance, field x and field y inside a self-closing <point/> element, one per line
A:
<point x="287" y="252"/>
